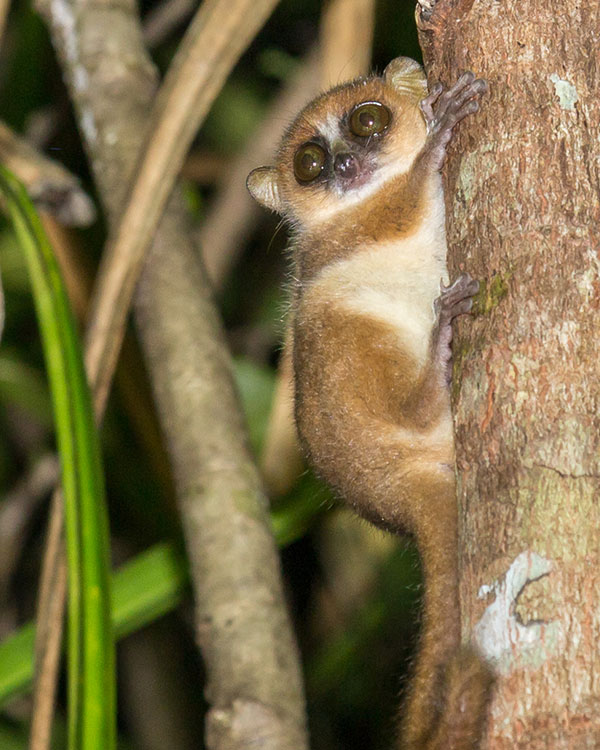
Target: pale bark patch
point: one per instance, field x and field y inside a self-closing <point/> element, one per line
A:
<point x="503" y="639"/>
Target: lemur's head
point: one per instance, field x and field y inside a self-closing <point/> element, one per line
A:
<point x="345" y="144"/>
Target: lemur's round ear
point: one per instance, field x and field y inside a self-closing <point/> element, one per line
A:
<point x="263" y="187"/>
<point x="406" y="76"/>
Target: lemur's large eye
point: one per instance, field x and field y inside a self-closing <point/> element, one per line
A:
<point x="369" y="118"/>
<point x="309" y="161"/>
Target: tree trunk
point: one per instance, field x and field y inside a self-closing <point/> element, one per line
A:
<point x="523" y="203"/>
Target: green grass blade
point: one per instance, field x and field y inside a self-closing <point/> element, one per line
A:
<point x="91" y="659"/>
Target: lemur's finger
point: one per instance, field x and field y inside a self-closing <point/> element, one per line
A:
<point x="427" y="103"/>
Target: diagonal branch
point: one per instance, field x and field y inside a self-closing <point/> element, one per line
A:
<point x="235" y="568"/>
<point x="217" y="36"/>
<point x="233" y="213"/>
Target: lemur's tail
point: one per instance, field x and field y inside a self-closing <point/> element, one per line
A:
<point x="466" y="688"/>
<point x="449" y="693"/>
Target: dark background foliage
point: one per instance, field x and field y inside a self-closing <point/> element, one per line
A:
<point x="353" y="593"/>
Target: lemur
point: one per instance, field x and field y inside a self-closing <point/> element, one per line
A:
<point x="357" y="176"/>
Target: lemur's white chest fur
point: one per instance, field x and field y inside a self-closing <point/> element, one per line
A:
<point x="395" y="283"/>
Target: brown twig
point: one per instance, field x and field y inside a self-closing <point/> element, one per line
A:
<point x="163" y="19"/>
<point x="233" y="212"/>
<point x="16" y="510"/>
<point x="4" y="8"/>
<point x="241" y="620"/>
<point x="49" y="184"/>
<point x="49" y="627"/>
<point x="346" y="40"/>
<point x="213" y="43"/>
<point x="204" y="167"/>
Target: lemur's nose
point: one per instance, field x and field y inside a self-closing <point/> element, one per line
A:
<point x="345" y="165"/>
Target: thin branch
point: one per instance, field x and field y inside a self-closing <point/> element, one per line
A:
<point x="49" y="184"/>
<point x="216" y="38"/>
<point x="346" y="40"/>
<point x="49" y="621"/>
<point x="4" y="8"/>
<point x="233" y="213"/>
<point x="254" y="682"/>
<point x="204" y="167"/>
<point x="163" y="19"/>
<point x="16" y="510"/>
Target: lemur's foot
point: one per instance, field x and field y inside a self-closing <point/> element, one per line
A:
<point x="454" y="300"/>
<point x="442" y="109"/>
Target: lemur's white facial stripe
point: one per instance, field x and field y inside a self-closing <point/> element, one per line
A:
<point x="330" y="129"/>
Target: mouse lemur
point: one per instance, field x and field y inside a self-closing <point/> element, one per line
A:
<point x="357" y="176"/>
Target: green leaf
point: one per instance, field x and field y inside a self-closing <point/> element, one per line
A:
<point x="143" y="589"/>
<point x="16" y="662"/>
<point x="91" y="657"/>
<point x="147" y="587"/>
<point x="24" y="387"/>
<point x="255" y="384"/>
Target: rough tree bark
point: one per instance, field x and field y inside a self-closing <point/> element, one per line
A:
<point x="523" y="211"/>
